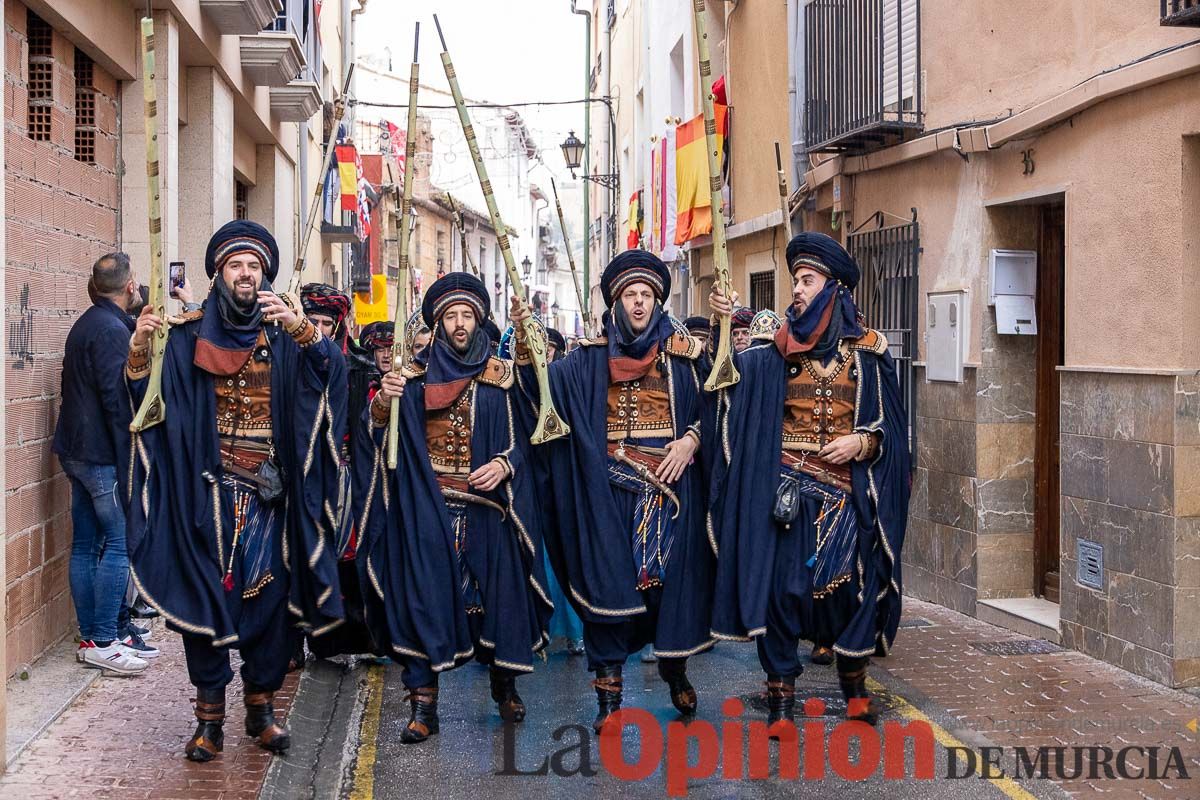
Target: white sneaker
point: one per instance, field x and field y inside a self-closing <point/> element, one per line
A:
<point x="115" y="659"/>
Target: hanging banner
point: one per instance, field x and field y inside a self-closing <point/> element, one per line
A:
<point x="372" y="306"/>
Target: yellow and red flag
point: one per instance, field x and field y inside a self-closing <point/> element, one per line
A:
<point x="348" y="169"/>
<point x="692" y="196"/>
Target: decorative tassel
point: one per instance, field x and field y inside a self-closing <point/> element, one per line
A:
<point x="228" y="582"/>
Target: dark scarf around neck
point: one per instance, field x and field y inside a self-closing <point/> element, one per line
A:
<point x="448" y="372"/>
<point x="631" y="355"/>
<point x="228" y="332"/>
<point x="817" y="331"/>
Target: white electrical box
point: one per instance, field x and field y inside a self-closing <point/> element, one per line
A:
<point x="1012" y="289"/>
<point x="947" y="331"/>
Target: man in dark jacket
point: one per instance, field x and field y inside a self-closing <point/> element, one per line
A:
<point x="92" y="443"/>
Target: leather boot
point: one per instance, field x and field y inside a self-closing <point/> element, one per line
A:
<point x="504" y="692"/>
<point x="860" y="707"/>
<point x="261" y="724"/>
<point x="608" y="685"/>
<point x="209" y="738"/>
<point x="424" y="720"/>
<point x="781" y="699"/>
<point x="683" y="694"/>
<point x="822" y="655"/>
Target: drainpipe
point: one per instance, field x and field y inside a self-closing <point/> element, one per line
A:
<point x="796" y="90"/>
<point x="587" y="153"/>
<point x="362" y="6"/>
<point x="611" y="150"/>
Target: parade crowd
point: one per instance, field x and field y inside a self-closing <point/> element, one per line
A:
<point x="273" y="512"/>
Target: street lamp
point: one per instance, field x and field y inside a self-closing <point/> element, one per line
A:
<point x="572" y="150"/>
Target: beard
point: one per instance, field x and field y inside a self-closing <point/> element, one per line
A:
<point x="460" y="347"/>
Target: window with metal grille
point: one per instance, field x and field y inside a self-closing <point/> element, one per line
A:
<point x="762" y="290"/>
<point x="241" y="200"/>
<point x="887" y="295"/>
<point x="85" y="109"/>
<point x="41" y="76"/>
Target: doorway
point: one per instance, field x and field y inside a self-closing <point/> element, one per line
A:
<point x="1049" y="357"/>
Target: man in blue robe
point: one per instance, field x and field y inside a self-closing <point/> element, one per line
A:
<point x="629" y="545"/>
<point x="451" y="536"/>
<point x="231" y="528"/>
<point x="810" y="493"/>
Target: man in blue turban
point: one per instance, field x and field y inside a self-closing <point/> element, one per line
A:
<point x="229" y="533"/>
<point x="810" y="496"/>
<point x="450" y="536"/>
<point x="629" y="545"/>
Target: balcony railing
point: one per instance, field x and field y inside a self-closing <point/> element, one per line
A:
<point x="862" y="74"/>
<point x="1179" y="12"/>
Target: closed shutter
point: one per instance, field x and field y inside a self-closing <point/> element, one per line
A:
<point x="899" y="54"/>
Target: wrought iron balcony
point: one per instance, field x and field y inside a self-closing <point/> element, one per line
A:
<point x="233" y="17"/>
<point x="862" y="74"/>
<point x="1180" y="12"/>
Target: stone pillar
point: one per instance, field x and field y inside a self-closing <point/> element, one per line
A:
<point x="135" y="230"/>
<point x="205" y="165"/>
<point x="272" y="204"/>
<point x="3" y="482"/>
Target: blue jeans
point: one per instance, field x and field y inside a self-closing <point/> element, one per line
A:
<point x="99" y="559"/>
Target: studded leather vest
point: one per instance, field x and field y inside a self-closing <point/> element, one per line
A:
<point x="819" y="401"/>
<point x="448" y="435"/>
<point x="640" y="409"/>
<point x="244" y="410"/>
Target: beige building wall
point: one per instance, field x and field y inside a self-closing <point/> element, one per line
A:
<point x="1018" y="135"/>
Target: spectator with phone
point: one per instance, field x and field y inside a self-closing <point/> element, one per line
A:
<point x="92" y="444"/>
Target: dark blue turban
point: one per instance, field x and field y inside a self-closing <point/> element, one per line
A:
<point x="493" y="332"/>
<point x="555" y="338"/>
<point x="696" y="324"/>
<point x="242" y="236"/>
<point x="635" y="266"/>
<point x="825" y="255"/>
<point x="455" y="287"/>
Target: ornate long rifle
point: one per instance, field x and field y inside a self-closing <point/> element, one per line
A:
<point x="339" y="109"/>
<point x="460" y="223"/>
<point x="724" y="373"/>
<point x="549" y="425"/>
<point x="400" y="344"/>
<point x="154" y="408"/>
<point x="562" y="223"/>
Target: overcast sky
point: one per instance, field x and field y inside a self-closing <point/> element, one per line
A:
<point x="504" y="51"/>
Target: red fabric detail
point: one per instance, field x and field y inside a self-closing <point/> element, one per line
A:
<point x="441" y="395"/>
<point x="623" y="368"/>
<point x="789" y="348"/>
<point x="219" y="361"/>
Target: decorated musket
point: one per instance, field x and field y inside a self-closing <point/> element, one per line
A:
<point x="339" y="110"/>
<point x="724" y="373"/>
<point x="549" y="425"/>
<point x="154" y="408"/>
<point x="562" y="223"/>
<point x="460" y="223"/>
<point x="786" y="220"/>
<point x="400" y="343"/>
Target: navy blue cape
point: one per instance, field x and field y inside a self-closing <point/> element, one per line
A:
<point x="174" y="554"/>
<point x="746" y="476"/>
<point x="407" y="557"/>
<point x="589" y="547"/>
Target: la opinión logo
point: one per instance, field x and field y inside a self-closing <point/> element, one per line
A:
<point x="812" y="749"/>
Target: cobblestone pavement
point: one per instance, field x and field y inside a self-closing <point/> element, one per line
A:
<point x="124" y="739"/>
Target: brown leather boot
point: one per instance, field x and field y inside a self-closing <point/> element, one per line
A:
<point x="424" y="720"/>
<point x="683" y="694"/>
<point x="860" y="706"/>
<point x="781" y="699"/>
<point x="261" y="724"/>
<point x="608" y="685"/>
<point x="504" y="692"/>
<point x="209" y="738"/>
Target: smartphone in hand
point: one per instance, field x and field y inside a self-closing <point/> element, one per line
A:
<point x="177" y="276"/>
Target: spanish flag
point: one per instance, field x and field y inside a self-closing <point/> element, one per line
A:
<point x="694" y="216"/>
<point x="636" y="220"/>
<point x="347" y="165"/>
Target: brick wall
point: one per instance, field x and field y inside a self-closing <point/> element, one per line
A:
<point x="61" y="214"/>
